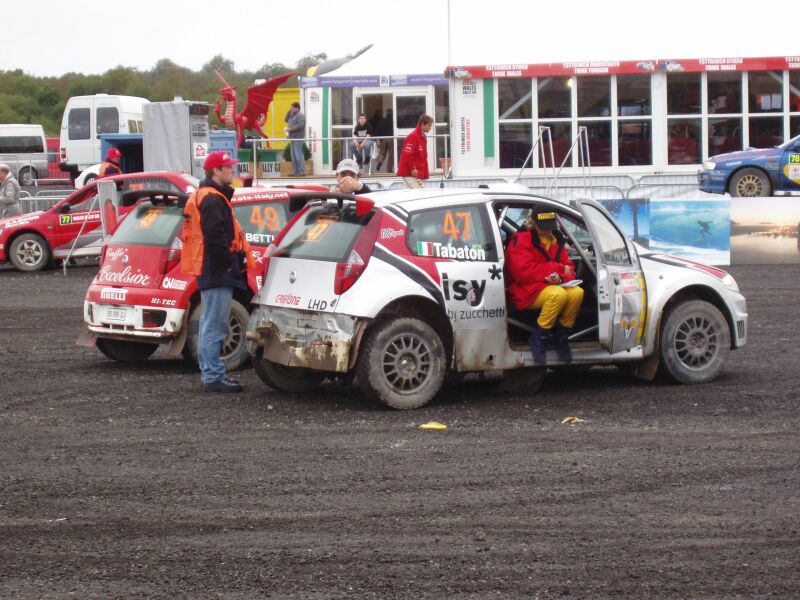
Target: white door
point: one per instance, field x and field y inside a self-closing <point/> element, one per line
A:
<point x="621" y="291"/>
<point x="408" y="107"/>
<point x="79" y="138"/>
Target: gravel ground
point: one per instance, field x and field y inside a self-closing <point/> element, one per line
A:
<point x="121" y="481"/>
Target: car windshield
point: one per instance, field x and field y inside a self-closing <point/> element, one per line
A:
<point x="790" y="143"/>
<point x="324" y="232"/>
<point x="261" y="221"/>
<point x="149" y="225"/>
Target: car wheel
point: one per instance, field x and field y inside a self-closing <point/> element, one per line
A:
<point x="695" y="341"/>
<point x="127" y="352"/>
<point x="30" y="252"/>
<point x="27" y="176"/>
<point x="89" y="179"/>
<point x="234" y="349"/>
<point x="750" y="183"/>
<point x="294" y="380"/>
<point x="402" y="363"/>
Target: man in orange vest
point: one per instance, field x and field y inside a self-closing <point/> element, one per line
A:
<point x="110" y="165"/>
<point x="216" y="252"/>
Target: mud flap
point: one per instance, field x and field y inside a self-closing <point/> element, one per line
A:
<point x="86" y="338"/>
<point x="528" y="379"/>
<point x="176" y="346"/>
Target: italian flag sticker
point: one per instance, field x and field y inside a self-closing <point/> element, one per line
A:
<point x="425" y="248"/>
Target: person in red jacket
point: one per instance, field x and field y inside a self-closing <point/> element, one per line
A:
<point x="110" y="165"/>
<point x="413" y="163"/>
<point x="537" y="269"/>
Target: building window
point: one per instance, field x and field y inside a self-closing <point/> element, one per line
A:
<point x="514" y="102"/>
<point x="684" y="142"/>
<point x="554" y="97"/>
<point x="765" y="132"/>
<point x="683" y="94"/>
<point x="561" y="136"/>
<point x="724" y="135"/>
<point x="341" y="121"/>
<point x="725" y="93"/>
<point x="635" y="142"/>
<point x="441" y="117"/>
<point x="599" y="138"/>
<point x="765" y="90"/>
<point x="594" y="96"/>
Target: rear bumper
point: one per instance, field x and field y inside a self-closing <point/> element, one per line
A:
<point x="300" y="338"/>
<point x="132" y="325"/>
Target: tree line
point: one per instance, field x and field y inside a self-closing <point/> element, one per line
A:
<point x="28" y="99"/>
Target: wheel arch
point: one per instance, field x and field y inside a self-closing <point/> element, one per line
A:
<point x="426" y="310"/>
<point x="19" y="232"/>
<point x="698" y="292"/>
<point x="733" y="173"/>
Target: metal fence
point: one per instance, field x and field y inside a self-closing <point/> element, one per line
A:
<point x="42" y="200"/>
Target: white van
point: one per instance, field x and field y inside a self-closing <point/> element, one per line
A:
<point x="86" y="118"/>
<point x="24" y="149"/>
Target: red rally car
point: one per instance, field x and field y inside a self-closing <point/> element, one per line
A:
<point x="31" y="241"/>
<point x="140" y="297"/>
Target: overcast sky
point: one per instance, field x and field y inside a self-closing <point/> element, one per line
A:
<point x="94" y="36"/>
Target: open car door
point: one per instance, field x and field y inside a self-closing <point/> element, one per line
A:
<point x="621" y="290"/>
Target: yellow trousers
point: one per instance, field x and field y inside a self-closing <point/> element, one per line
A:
<point x="556" y="301"/>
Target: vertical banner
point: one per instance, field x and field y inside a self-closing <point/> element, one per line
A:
<point x="108" y="199"/>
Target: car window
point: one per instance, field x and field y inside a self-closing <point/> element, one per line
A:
<point x="261" y="221"/>
<point x="612" y="243"/>
<point x="324" y="232"/>
<point x="458" y="232"/>
<point x="149" y="225"/>
<point x="85" y="204"/>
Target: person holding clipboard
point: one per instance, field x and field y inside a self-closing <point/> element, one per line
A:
<point x="541" y="277"/>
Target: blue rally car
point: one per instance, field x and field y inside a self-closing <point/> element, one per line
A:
<point x="752" y="172"/>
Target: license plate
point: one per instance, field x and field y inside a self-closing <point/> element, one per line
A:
<point x="116" y="314"/>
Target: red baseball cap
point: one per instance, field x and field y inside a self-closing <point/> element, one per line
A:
<point x="113" y="153"/>
<point x="218" y="159"/>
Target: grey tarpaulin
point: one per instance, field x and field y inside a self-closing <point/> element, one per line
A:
<point x="176" y="137"/>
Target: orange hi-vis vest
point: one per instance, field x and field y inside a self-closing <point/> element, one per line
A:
<point x="105" y="166"/>
<point x="193" y="244"/>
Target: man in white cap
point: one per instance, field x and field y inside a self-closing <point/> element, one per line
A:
<point x="9" y="193"/>
<point x="347" y="178"/>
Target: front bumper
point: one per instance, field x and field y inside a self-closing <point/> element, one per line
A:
<point x="131" y="325"/>
<point x="301" y="338"/>
<point x="712" y="182"/>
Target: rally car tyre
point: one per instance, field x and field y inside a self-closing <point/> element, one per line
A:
<point x="30" y="252"/>
<point x="695" y="341"/>
<point x="750" y="183"/>
<point x="126" y="352"/>
<point x="234" y="348"/>
<point x="402" y="363"/>
<point x="294" y="380"/>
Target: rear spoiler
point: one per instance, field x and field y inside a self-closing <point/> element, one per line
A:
<point x="155" y="196"/>
<point x="301" y="198"/>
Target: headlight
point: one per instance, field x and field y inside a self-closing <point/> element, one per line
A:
<point x="709" y="164"/>
<point x="729" y="282"/>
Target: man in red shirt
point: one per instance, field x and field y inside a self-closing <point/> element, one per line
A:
<point x="110" y="165"/>
<point x="413" y="163"/>
<point x="538" y="268"/>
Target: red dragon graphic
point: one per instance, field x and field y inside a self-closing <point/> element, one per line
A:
<point x="254" y="115"/>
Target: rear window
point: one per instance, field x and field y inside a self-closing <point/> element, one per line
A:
<point x="324" y="232"/>
<point x="149" y="225"/>
<point x="261" y="221"/>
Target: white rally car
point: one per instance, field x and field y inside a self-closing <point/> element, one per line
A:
<point x="401" y="287"/>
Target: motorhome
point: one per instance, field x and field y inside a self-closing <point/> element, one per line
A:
<point x="86" y="118"/>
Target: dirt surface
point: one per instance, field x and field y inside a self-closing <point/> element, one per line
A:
<point x="128" y="482"/>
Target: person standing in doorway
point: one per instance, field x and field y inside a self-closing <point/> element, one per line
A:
<point x="9" y="193"/>
<point x="413" y="163"/>
<point x="385" y="131"/>
<point x="295" y="130"/>
<point x="216" y="252"/>
<point x="110" y="165"/>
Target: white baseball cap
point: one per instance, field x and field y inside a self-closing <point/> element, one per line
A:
<point x="348" y="164"/>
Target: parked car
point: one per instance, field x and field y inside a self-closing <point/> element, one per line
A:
<point x="88" y="175"/>
<point x="752" y="172"/>
<point x="140" y="298"/>
<point x="30" y="241"/>
<point x="401" y="287"/>
<point x="24" y="149"/>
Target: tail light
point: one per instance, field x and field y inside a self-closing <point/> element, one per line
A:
<point x="171" y="257"/>
<point x="62" y="152"/>
<point x="347" y="273"/>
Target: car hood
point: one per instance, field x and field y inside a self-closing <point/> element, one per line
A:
<point x="743" y="155"/>
<point x="21" y="220"/>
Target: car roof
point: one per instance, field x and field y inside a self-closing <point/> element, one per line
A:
<point x="411" y="200"/>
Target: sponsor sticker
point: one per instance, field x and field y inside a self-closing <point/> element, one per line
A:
<point x="390" y="234"/>
<point x="287" y="299"/>
<point x="439" y="250"/>
<point x="107" y="274"/>
<point x="170" y="283"/>
<point x="114" y="294"/>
